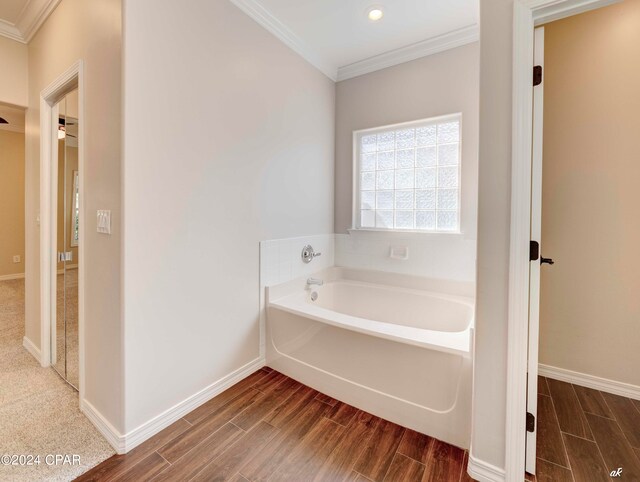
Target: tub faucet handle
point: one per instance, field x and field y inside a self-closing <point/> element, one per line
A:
<point x="308" y="254"/>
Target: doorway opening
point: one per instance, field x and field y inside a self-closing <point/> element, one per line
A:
<point x="572" y="318"/>
<point x="62" y="227"/>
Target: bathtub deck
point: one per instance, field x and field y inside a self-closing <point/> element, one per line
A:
<point x="269" y="426"/>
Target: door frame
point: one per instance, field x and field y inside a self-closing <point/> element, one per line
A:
<point x="535" y="264"/>
<point x="527" y="14"/>
<point x="71" y="79"/>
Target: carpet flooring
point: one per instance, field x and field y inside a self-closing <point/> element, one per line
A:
<point x="39" y="412"/>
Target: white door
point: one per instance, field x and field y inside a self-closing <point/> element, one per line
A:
<point x="534" y="265"/>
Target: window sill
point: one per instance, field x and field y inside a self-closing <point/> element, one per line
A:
<point x="403" y="232"/>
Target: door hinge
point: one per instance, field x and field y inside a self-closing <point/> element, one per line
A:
<point x="534" y="250"/>
<point x="531" y="422"/>
<point x="537" y="75"/>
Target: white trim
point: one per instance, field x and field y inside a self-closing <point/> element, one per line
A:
<point x="9" y="30"/>
<point x="519" y="247"/>
<point x="7" y="277"/>
<point x="31" y="348"/>
<point x="566" y="8"/>
<point x="148" y="429"/>
<point x="127" y="442"/>
<point x="434" y="45"/>
<point x="356" y="220"/>
<point x="108" y="431"/>
<point x="483" y="471"/>
<point x="257" y="12"/>
<point x="31" y="18"/>
<point x="526" y="13"/>
<point x="449" y="40"/>
<point x="69" y="80"/>
<point x="590" y="381"/>
<point x="534" y="267"/>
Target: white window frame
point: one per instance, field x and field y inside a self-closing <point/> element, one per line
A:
<point x="355" y="212"/>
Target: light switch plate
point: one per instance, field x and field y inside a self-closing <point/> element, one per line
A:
<point x="104" y="221"/>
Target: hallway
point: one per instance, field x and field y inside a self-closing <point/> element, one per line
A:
<point x="39" y="412"/>
<point x="584" y="434"/>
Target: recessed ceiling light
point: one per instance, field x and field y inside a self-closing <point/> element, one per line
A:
<point x="375" y="14"/>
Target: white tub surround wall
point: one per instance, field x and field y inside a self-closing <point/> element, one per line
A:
<point x="281" y="261"/>
<point x="387" y="343"/>
<point x="439" y="255"/>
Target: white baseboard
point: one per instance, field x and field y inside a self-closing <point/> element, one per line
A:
<point x="485" y="472"/>
<point x="148" y="429"/>
<point x="7" y="277"/>
<point x="32" y="348"/>
<point x="125" y="443"/>
<point x="108" y="431"/>
<point x="590" y="381"/>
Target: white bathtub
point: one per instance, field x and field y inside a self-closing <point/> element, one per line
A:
<point x="394" y="345"/>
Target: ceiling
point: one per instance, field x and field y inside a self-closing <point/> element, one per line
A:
<point x="337" y="37"/>
<point x="21" y="19"/>
<point x="10" y="9"/>
<point x="14" y="116"/>
<point x="334" y="35"/>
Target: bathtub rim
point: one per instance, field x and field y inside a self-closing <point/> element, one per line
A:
<point x="289" y="297"/>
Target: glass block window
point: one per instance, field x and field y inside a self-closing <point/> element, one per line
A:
<point x="408" y="176"/>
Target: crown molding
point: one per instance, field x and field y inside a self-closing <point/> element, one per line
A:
<point x="549" y="11"/>
<point x="9" y="30"/>
<point x="456" y="38"/>
<point x="31" y="18"/>
<point x="434" y="45"/>
<point x="34" y="15"/>
<point x="257" y="12"/>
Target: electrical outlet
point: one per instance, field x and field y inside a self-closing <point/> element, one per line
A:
<point x="16" y="258"/>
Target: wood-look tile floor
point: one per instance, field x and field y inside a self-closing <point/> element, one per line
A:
<point x="584" y="434"/>
<point x="270" y="427"/>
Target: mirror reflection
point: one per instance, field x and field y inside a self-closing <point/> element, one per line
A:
<point x="65" y="343"/>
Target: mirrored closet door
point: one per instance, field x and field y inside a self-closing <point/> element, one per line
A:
<point x="65" y="344"/>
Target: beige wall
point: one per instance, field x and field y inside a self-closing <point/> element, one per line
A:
<point x="590" y="308"/>
<point x="90" y="31"/>
<point x="14" y="66"/>
<point x="232" y="145"/>
<point x="445" y="83"/>
<point x="11" y="202"/>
